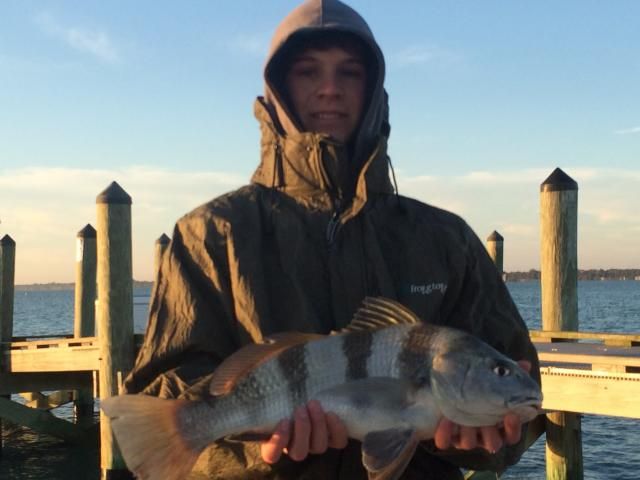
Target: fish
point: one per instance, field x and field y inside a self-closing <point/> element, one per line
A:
<point x="389" y="376"/>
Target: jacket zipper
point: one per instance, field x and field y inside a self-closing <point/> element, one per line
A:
<point x="334" y="223"/>
<point x="332" y="229"/>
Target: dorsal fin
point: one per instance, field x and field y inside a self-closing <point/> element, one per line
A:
<point x="380" y="312"/>
<point x="241" y="362"/>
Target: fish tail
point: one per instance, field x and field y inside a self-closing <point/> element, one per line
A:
<point x="148" y="433"/>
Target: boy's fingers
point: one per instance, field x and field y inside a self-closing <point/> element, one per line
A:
<point x="319" y="441"/>
<point x="468" y="438"/>
<point x="491" y="439"/>
<point x="512" y="428"/>
<point x="444" y="434"/>
<point x="338" y="436"/>
<point x="525" y="365"/>
<point x="271" y="450"/>
<point x="298" y="448"/>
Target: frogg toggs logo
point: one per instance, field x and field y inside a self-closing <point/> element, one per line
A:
<point x="428" y="289"/>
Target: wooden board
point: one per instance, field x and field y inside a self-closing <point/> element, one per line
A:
<point x="58" y="355"/>
<point x="593" y="356"/>
<point x="47" y="402"/>
<point x="620" y="339"/>
<point x="591" y="392"/>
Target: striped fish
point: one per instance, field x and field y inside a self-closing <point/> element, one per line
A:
<point x="389" y="377"/>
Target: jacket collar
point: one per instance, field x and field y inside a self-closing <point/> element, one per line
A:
<point x="308" y="164"/>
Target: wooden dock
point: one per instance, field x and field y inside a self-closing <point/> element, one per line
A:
<point x="590" y="373"/>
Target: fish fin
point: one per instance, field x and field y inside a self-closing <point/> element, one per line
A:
<point x="386" y="453"/>
<point x="241" y="362"/>
<point x="380" y="312"/>
<point x="148" y="434"/>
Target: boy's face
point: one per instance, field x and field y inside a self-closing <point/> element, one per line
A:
<point x="327" y="91"/>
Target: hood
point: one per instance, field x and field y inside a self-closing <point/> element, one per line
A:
<point x="340" y="165"/>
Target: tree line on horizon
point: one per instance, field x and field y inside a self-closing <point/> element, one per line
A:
<point x="33" y="287"/>
<point x="591" y="274"/>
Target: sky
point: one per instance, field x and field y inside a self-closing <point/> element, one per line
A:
<point x="486" y="99"/>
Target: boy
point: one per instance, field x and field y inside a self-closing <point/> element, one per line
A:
<point x="319" y="229"/>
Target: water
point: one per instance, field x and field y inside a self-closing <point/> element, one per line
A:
<point x="610" y="445"/>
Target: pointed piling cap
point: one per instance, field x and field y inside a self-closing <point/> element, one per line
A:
<point x="558" y="181"/>
<point x="114" y="195"/>
<point x="495" y="237"/>
<point x="163" y="240"/>
<point x="7" y="241"/>
<point x="87" y="232"/>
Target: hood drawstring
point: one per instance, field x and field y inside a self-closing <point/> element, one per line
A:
<point x="277" y="181"/>
<point x="401" y="206"/>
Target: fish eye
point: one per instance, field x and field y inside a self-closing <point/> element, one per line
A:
<point x="501" y="370"/>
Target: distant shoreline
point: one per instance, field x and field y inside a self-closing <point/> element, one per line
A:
<point x="593" y="274"/>
<point x="53" y="286"/>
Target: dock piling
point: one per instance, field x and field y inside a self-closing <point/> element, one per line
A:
<point x="7" y="279"/>
<point x="495" y="247"/>
<point x="161" y="245"/>
<point x="559" y="298"/>
<point x="84" y="306"/>
<point x="115" y="311"/>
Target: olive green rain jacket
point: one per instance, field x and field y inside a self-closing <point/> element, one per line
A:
<point x="317" y="230"/>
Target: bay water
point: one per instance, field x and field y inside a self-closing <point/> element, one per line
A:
<point x="611" y="446"/>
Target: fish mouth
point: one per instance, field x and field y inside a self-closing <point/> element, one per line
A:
<point x="534" y="401"/>
<point x="526" y="407"/>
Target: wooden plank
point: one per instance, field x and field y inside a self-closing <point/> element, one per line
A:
<point x="595" y="356"/>
<point x="43" y="421"/>
<point x="38" y="382"/>
<point x="621" y="339"/>
<point x="80" y="358"/>
<point x="588" y="359"/>
<point x="40" y="337"/>
<point x="591" y="392"/>
<point x="51" y="343"/>
<point x="47" y="402"/>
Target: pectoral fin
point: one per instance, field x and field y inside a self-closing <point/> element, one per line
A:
<point x="387" y="453"/>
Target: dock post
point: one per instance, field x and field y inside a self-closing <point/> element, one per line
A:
<point x="84" y="321"/>
<point x="7" y="279"/>
<point x="559" y="297"/>
<point x="115" y="312"/>
<point x="161" y="245"/>
<point x="495" y="247"/>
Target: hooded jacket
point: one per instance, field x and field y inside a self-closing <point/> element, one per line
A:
<point x="318" y="229"/>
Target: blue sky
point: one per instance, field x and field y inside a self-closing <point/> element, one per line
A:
<point x="487" y="98"/>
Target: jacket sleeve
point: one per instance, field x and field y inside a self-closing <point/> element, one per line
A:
<point x="480" y="302"/>
<point x="190" y="328"/>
